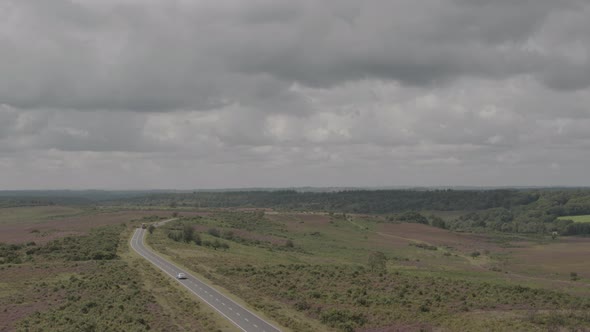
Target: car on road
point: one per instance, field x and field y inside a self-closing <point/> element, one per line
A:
<point x="181" y="276"/>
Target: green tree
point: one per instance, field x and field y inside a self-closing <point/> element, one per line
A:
<point x="151" y="229"/>
<point x="188" y="233"/>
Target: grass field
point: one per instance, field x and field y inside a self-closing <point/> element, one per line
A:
<point x="585" y="218"/>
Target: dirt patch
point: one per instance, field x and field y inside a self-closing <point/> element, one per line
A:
<point x="559" y="258"/>
<point x="301" y="221"/>
<point x="403" y="234"/>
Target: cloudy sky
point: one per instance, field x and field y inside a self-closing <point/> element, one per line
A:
<point x="186" y="94"/>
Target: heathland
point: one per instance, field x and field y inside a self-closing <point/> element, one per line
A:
<point x="500" y="260"/>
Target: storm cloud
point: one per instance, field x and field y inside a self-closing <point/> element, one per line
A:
<point x="189" y="94"/>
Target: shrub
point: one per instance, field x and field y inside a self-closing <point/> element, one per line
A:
<point x="228" y="235"/>
<point x="343" y="319"/>
<point x="175" y="235"/>
<point x="197" y="239"/>
<point x="213" y="232"/>
<point x="424" y="246"/>
<point x="188" y="233"/>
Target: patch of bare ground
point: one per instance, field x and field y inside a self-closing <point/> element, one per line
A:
<point x="405" y="233"/>
<point x="561" y="257"/>
<point x="299" y="221"/>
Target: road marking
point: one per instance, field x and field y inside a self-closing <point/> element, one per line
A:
<point x="246" y="319"/>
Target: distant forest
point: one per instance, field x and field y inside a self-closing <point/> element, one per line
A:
<point x="507" y="210"/>
<point x="350" y="201"/>
<point x="517" y="211"/>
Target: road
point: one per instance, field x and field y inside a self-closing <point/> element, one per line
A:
<point x="237" y="314"/>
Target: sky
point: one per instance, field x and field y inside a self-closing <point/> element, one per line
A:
<point x="178" y="94"/>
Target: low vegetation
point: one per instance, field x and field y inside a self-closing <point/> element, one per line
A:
<point x="91" y="288"/>
<point x="346" y="261"/>
<point x="350" y="297"/>
<point x="419" y="286"/>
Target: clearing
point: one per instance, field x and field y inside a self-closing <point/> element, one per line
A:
<point x="584" y="218"/>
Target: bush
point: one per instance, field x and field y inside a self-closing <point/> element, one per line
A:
<point x="343" y="319"/>
<point x="424" y="246"/>
<point x="100" y="244"/>
<point x="213" y="232"/>
<point x="228" y="235"/>
<point x="175" y="235"/>
<point x="413" y="217"/>
<point x="197" y="239"/>
<point x="188" y="233"/>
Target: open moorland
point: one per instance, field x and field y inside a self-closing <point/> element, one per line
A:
<point x="68" y="267"/>
<point x="77" y="274"/>
<point x="303" y="268"/>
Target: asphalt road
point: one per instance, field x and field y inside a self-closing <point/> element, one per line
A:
<point x="240" y="316"/>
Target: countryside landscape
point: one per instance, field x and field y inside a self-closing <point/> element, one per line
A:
<point x="354" y="260"/>
<point x="294" y="166"/>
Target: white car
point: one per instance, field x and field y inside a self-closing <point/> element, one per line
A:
<point x="181" y="276"/>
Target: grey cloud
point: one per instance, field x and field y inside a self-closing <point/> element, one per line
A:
<point x="162" y="56"/>
<point x="278" y="93"/>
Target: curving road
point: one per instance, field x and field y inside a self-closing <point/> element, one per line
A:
<point x="240" y="316"/>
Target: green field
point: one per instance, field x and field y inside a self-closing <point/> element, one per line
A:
<point x="585" y="218"/>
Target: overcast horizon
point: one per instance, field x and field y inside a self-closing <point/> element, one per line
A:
<point x="183" y="94"/>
